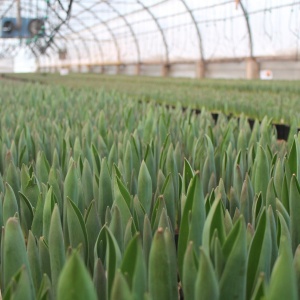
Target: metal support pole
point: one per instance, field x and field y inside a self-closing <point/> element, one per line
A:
<point x="252" y="68"/>
<point x="165" y="70"/>
<point x="246" y="16"/>
<point x="138" y="69"/>
<point x="137" y="46"/>
<point x="200" y="69"/>
<point x="160" y="29"/>
<point x="19" y="19"/>
<point x="38" y="67"/>
<point x="198" y="33"/>
<point x="103" y="70"/>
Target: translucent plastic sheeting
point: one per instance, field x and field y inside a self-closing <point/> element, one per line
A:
<point x="166" y="31"/>
<point x="275" y="26"/>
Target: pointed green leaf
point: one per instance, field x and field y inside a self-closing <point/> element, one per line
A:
<point x="145" y="187"/>
<point x="262" y="175"/>
<point x="235" y="253"/>
<point x="190" y="268"/>
<point x="162" y="279"/>
<point x="77" y="229"/>
<point x="206" y="287"/>
<point x="283" y="284"/>
<point x="75" y="282"/>
<point x="14" y="252"/>
<point x="295" y="212"/>
<point x="56" y="247"/>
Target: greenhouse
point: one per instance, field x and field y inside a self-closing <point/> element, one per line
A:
<point x="149" y="150"/>
<point x="178" y="38"/>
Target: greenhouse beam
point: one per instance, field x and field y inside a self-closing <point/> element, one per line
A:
<point x="162" y="33"/>
<point x="200" y="66"/>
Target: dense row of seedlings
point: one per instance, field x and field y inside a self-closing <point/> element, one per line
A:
<point x="278" y="100"/>
<point x="102" y="198"/>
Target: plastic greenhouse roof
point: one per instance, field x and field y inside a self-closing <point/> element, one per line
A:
<point x="158" y="31"/>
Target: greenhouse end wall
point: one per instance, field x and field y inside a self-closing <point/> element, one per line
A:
<point x="280" y="69"/>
